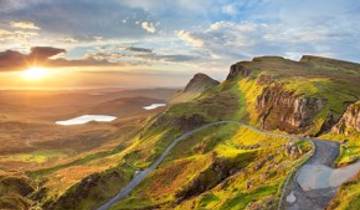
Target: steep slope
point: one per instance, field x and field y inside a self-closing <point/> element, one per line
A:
<point x="350" y="120"/>
<point x="197" y="85"/>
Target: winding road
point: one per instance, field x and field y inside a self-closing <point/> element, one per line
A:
<point x="309" y="189"/>
<point x="316" y="182"/>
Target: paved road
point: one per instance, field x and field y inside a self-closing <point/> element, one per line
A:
<point x="304" y="191"/>
<point x="140" y="176"/>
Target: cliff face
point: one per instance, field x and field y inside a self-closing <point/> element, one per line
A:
<point x="286" y="111"/>
<point x="350" y="121"/>
<point x="238" y="70"/>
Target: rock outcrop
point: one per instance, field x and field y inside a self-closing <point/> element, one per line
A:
<point x="350" y="120"/>
<point x="284" y="110"/>
<point x="237" y="70"/>
<point x="200" y="82"/>
<point x="196" y="86"/>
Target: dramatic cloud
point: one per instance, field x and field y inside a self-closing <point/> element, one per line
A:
<point x="225" y="39"/>
<point x="149" y="27"/>
<point x="231" y="40"/>
<point x="12" y="60"/>
<point x="43" y="53"/>
<point x="26" y="25"/>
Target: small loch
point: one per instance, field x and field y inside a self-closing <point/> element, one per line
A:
<point x="86" y="119"/>
<point x="154" y="106"/>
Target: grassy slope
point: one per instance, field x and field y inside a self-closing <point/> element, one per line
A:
<point x="252" y="153"/>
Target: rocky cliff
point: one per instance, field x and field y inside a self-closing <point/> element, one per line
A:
<point x="350" y="120"/>
<point x="237" y="70"/>
<point x="285" y="110"/>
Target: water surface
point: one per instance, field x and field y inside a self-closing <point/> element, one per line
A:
<point x="154" y="106"/>
<point x="86" y="119"/>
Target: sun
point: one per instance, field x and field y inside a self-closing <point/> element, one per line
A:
<point x="34" y="73"/>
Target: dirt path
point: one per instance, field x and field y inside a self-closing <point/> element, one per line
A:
<point x="316" y="182"/>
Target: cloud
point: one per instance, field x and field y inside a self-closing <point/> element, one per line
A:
<point x="43" y="53"/>
<point x="25" y="25"/>
<point x="229" y="40"/>
<point x="11" y="60"/>
<point x="139" y="49"/>
<point x="230" y="9"/>
<point x="190" y="38"/>
<point x="223" y="40"/>
<point x="11" y="5"/>
<point x="89" y="61"/>
<point x="17" y="36"/>
<point x="176" y="58"/>
<point x="138" y="55"/>
<point x="4" y="33"/>
<point x="149" y="27"/>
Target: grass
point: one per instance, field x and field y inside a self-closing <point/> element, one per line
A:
<point x="241" y="200"/>
<point x="38" y="157"/>
<point x="350" y="151"/>
<point x="348" y="196"/>
<point x="248" y="90"/>
<point x="190" y="160"/>
<point x="95" y="189"/>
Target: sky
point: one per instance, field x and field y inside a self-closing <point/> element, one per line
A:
<point x="160" y="43"/>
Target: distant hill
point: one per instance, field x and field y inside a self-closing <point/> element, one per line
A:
<point x="196" y="86"/>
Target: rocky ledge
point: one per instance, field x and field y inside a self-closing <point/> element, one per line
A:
<point x="350" y="120"/>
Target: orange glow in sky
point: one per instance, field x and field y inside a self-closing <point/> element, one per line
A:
<point x="34" y="73"/>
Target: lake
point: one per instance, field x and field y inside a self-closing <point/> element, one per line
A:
<point x="153" y="106"/>
<point x="86" y="119"/>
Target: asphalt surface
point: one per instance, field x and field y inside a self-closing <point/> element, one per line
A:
<point x="298" y="198"/>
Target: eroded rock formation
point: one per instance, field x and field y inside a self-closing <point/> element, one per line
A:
<point x="350" y="121"/>
<point x="238" y="70"/>
<point x="284" y="110"/>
